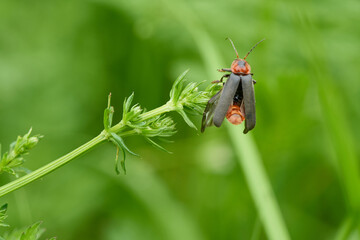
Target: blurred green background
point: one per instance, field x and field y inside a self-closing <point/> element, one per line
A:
<point x="60" y="59"/>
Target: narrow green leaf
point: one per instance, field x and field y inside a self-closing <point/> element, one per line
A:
<point x="10" y="171"/>
<point x="22" y="170"/>
<point x="186" y="119"/>
<point x="108" y="114"/>
<point x="3" y="208"/>
<point x="123" y="165"/>
<point x="177" y="87"/>
<point x="3" y="215"/>
<point x="28" y="133"/>
<point x="127" y="105"/>
<point x="165" y="140"/>
<point x="122" y="162"/>
<point x="157" y="145"/>
<point x="108" y="117"/>
<point x="129" y="100"/>
<point x="117" y="161"/>
<point x="32" y="232"/>
<point x="111" y="114"/>
<point x="109" y="101"/>
<point x="120" y="142"/>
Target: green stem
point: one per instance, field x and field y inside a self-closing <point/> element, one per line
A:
<point x="247" y="152"/>
<point x="146" y="115"/>
<point x="157" y="111"/>
<point x="118" y="128"/>
<point x="345" y="230"/>
<point x="259" y="184"/>
<point x="18" y="183"/>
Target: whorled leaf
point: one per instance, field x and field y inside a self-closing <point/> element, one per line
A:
<point x="188" y="97"/>
<point x="177" y="88"/>
<point x="119" y="142"/>
<point x="13" y="159"/>
<point x="184" y="99"/>
<point x="108" y="115"/>
<point x="159" y="126"/>
<point x="130" y="114"/>
<point x="117" y="161"/>
<point x="157" y="145"/>
<point x="3" y="215"/>
<point x="32" y="232"/>
<point x="186" y="119"/>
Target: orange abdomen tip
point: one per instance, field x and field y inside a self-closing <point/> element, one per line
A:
<point x="234" y="115"/>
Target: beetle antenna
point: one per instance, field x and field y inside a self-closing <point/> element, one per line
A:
<point x="237" y="55"/>
<point x="253" y="48"/>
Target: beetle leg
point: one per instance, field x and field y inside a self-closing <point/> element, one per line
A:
<point x="254" y="81"/>
<point x="225" y="76"/>
<point x="225" y="70"/>
<point x="221" y="79"/>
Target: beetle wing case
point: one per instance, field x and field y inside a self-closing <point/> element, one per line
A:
<point x="208" y="114"/>
<point x="226" y="99"/>
<point x="249" y="102"/>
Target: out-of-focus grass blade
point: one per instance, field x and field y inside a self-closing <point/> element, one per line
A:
<point x="246" y="149"/>
<point x="334" y="116"/>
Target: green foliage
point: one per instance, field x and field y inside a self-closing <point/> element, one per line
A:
<point x="131" y="114"/>
<point x="135" y="121"/>
<point x="60" y="58"/>
<point x="33" y="232"/>
<point x="188" y="97"/>
<point x="13" y="159"/>
<point x="3" y="215"/>
<point x="119" y="142"/>
<point x="108" y="114"/>
<point x="154" y="123"/>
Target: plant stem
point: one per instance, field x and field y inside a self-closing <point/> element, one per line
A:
<point x="18" y="183"/>
<point x="157" y="111"/>
<point x="259" y="184"/>
<point x="345" y="229"/>
<point x="118" y="128"/>
<point x="145" y="116"/>
<point x="248" y="155"/>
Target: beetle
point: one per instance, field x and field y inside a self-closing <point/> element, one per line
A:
<point x="236" y="100"/>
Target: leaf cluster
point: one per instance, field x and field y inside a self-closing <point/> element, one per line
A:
<point x="185" y="98"/>
<point x="12" y="160"/>
<point x="33" y="232"/>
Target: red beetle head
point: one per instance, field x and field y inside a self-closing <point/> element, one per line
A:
<point x="240" y="66"/>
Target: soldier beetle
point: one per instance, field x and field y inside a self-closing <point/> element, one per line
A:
<point x="236" y="100"/>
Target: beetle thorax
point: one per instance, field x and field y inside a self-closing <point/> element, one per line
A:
<point x="240" y="66"/>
